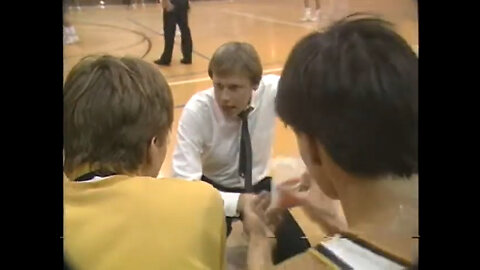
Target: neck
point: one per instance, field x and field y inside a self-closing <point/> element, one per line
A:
<point x="87" y="168"/>
<point x="384" y="211"/>
<point x="79" y="171"/>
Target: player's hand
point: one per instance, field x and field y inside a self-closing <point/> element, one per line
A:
<point x="319" y="207"/>
<point x="255" y="220"/>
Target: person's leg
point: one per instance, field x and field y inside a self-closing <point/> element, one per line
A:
<point x="69" y="34"/>
<point x="66" y="22"/>
<point x="169" y="23"/>
<point x="132" y="4"/>
<point x="290" y="238"/>
<point x="307" y="11"/>
<point x="264" y="185"/>
<point x="186" y="35"/>
<point x="317" y="10"/>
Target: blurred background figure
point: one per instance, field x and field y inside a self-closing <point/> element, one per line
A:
<point x="308" y="15"/>
<point x="325" y="12"/>
<point x="133" y="3"/>
<point x="69" y="34"/>
<point x="175" y="12"/>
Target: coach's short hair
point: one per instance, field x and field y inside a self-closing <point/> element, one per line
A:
<point x="235" y="58"/>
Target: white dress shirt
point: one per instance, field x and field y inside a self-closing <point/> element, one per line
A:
<point x="209" y="144"/>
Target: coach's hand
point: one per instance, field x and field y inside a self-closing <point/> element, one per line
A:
<point x="259" y="218"/>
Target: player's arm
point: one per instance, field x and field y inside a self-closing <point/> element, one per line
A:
<point x="259" y="256"/>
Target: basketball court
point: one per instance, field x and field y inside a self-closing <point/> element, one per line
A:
<point x="271" y="26"/>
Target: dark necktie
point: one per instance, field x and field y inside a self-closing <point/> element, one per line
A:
<point x="245" y="160"/>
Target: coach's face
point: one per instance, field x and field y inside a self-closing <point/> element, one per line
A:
<point x="232" y="93"/>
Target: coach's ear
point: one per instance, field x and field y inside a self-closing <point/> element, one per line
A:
<point x="255" y="87"/>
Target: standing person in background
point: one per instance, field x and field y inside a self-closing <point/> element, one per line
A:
<point x="175" y="12"/>
<point x="69" y="34"/>
<point x="308" y="16"/>
<point x="133" y="3"/>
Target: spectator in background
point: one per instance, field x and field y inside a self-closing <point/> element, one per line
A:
<point x="175" y="12"/>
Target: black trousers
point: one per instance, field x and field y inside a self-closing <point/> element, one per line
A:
<point x="179" y="16"/>
<point x="290" y="237"/>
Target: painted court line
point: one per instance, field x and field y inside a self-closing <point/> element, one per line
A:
<point x="265" y="19"/>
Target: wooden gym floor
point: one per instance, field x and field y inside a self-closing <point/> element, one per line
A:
<point x="271" y="26"/>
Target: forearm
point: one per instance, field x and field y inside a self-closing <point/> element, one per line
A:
<point x="234" y="203"/>
<point x="259" y="256"/>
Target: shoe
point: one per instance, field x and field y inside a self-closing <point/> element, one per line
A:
<point x="70" y="39"/>
<point x="305" y="18"/>
<point x="161" y="62"/>
<point x="306" y="15"/>
<point x="316" y="16"/>
<point x="186" y="62"/>
<point x="75" y="38"/>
